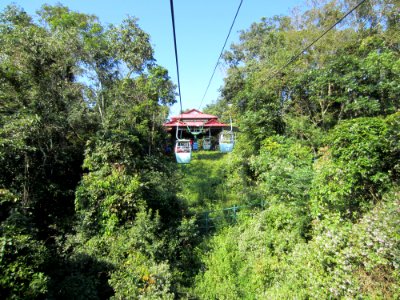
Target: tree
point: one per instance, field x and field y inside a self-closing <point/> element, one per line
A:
<point x="69" y="83"/>
<point x="356" y="167"/>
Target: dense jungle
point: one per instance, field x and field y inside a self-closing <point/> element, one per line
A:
<point x="306" y="206"/>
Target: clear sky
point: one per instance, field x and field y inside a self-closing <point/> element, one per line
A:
<point x="201" y="29"/>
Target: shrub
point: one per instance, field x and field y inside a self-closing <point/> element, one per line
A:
<point x="357" y="166"/>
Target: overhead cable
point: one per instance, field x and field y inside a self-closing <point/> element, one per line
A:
<point x="220" y="55"/>
<point x="176" y="52"/>
<point x="294" y="58"/>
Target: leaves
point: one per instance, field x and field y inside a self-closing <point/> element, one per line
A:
<point x="90" y="205"/>
<point x="354" y="171"/>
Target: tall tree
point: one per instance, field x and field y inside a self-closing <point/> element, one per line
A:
<point x="67" y="82"/>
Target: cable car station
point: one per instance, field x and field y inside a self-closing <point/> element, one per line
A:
<point x="193" y="130"/>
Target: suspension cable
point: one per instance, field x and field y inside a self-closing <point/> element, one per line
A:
<point x="222" y="50"/>
<point x="176" y="52"/>
<point x="295" y="57"/>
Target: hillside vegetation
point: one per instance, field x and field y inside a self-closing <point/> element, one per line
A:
<point x="92" y="208"/>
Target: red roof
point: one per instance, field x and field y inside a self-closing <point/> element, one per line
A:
<point x="187" y="123"/>
<point x="215" y="123"/>
<point x="193" y="114"/>
<point x="174" y="123"/>
<point x="211" y="123"/>
<point x="194" y="118"/>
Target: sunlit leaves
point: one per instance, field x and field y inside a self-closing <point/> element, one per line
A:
<point x="132" y="45"/>
<point x="353" y="170"/>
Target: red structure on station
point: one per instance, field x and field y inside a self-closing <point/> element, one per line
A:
<point x="194" y="123"/>
<point x="194" y="130"/>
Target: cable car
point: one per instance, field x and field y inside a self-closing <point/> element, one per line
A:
<point x="206" y="143"/>
<point x="183" y="151"/>
<point x="226" y="141"/>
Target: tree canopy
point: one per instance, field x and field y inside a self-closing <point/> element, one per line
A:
<point x="91" y="207"/>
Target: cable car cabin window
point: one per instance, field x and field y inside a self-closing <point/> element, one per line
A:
<point x="206" y="143"/>
<point x="226" y="142"/>
<point x="183" y="147"/>
<point x="183" y="151"/>
<point x="226" y="137"/>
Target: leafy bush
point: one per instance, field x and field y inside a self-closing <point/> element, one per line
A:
<point x="283" y="170"/>
<point x="130" y="259"/>
<point x="245" y="260"/>
<point x="106" y="199"/>
<point x="22" y="260"/>
<point x="266" y="257"/>
<point x="357" y="166"/>
<point x="349" y="260"/>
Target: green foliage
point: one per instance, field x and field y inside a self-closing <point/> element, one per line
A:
<point x="347" y="74"/>
<point x="346" y="260"/>
<point x="183" y="248"/>
<point x="203" y="181"/>
<point x="356" y="167"/>
<point x="376" y="260"/>
<point x="120" y="181"/>
<point x="240" y="181"/>
<point x="82" y="166"/>
<point x="136" y="252"/>
<point x="283" y="170"/>
<point x="159" y="187"/>
<point x="43" y="120"/>
<point x="245" y="260"/>
<point x="48" y="115"/>
<point x="303" y="130"/>
<point x="132" y="45"/>
<point x="266" y="257"/>
<point x="80" y="276"/>
<point x="21" y="276"/>
<point x="107" y="199"/>
<point x="132" y="254"/>
<point x="22" y="258"/>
